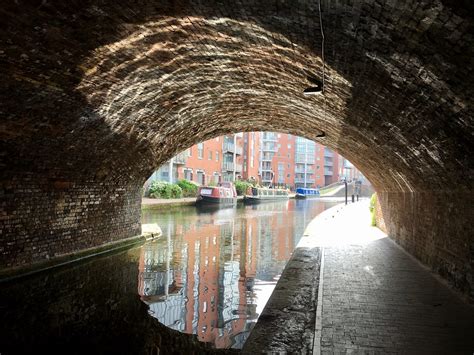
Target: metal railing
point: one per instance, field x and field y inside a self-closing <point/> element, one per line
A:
<point x="228" y="166"/>
<point x="180" y="158"/>
<point x="228" y="147"/>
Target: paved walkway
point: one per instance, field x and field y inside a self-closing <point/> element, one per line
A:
<point x="376" y="299"/>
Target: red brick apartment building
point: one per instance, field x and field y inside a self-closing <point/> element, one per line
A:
<point x="270" y="158"/>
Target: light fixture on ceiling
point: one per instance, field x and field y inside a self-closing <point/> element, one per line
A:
<point x="313" y="90"/>
<point x="319" y="85"/>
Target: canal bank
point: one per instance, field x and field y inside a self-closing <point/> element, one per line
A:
<point x="349" y="288"/>
<point x="199" y="284"/>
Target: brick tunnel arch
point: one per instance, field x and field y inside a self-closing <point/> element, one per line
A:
<point x="95" y="96"/>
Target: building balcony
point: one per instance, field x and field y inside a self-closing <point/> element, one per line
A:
<point x="269" y="148"/>
<point x="328" y="153"/>
<point x="306" y="160"/>
<point x="228" y="166"/>
<point x="302" y="170"/>
<point x="266" y="158"/>
<point x="328" y="163"/>
<point x="302" y="181"/>
<point x="327" y="172"/>
<point x="238" y="167"/>
<point x="228" y="147"/>
<point x="180" y="159"/>
<point x="270" y="137"/>
<point x="231" y="148"/>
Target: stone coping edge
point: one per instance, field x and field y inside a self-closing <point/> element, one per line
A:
<point x="165" y="205"/>
<point x="287" y="322"/>
<point x="10" y="274"/>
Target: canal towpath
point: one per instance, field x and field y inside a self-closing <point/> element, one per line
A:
<point x="351" y="289"/>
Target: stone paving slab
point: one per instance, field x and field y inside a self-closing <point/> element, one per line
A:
<point x="376" y="298"/>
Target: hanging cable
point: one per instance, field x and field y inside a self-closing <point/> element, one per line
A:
<point x="322" y="42"/>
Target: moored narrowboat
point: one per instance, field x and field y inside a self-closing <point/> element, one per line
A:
<point x="302" y="193"/>
<point x="258" y="194"/>
<point x="223" y="194"/>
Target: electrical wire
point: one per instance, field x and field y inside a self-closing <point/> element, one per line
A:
<point x="322" y="42"/>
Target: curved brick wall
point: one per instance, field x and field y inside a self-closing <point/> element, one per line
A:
<point x="95" y="95"/>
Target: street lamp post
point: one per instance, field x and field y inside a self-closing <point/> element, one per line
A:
<point x="345" y="187"/>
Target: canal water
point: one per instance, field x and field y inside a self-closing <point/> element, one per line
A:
<point x="209" y="274"/>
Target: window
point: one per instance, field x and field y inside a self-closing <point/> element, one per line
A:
<point x="190" y="152"/>
<point x="289" y="146"/>
<point x="200" y="147"/>
<point x="288" y="175"/>
<point x="217" y="139"/>
<point x="210" y="155"/>
<point x="279" y="135"/>
<point x="217" y="155"/>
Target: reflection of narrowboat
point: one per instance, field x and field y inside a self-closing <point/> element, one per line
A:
<point x="257" y="195"/>
<point x="302" y="192"/>
<point x="223" y="194"/>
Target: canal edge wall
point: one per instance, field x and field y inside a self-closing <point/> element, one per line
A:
<point x="287" y="323"/>
<point x="10" y="274"/>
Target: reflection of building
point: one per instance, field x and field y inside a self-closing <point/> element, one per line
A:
<point x="210" y="273"/>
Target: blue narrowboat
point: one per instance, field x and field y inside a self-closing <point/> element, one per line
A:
<point x="302" y="192"/>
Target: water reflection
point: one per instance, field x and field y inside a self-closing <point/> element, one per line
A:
<point x="212" y="272"/>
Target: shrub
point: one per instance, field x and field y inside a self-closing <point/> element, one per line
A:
<point x="188" y="188"/>
<point x="241" y="187"/>
<point x="373" y="201"/>
<point x="162" y="189"/>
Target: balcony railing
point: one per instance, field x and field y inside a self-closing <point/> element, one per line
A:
<point x="266" y="158"/>
<point x="302" y="160"/>
<point x="301" y="170"/>
<point x="328" y="172"/>
<point x="302" y="181"/>
<point x="269" y="148"/>
<point x="228" y="166"/>
<point x="238" y="150"/>
<point x="270" y="137"/>
<point x="180" y="159"/>
<point x="328" y="163"/>
<point x="328" y="153"/>
<point x="228" y="147"/>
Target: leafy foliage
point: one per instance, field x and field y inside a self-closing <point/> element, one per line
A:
<point x="189" y="189"/>
<point x="163" y="189"/>
<point x="373" y="202"/>
<point x="241" y="187"/>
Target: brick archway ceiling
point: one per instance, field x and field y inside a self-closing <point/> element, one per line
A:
<point x="108" y="90"/>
